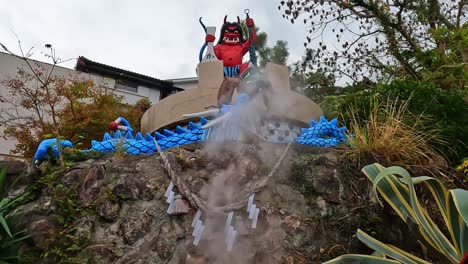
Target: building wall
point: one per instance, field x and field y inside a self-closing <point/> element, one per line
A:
<point x="185" y="83"/>
<point x="9" y="66"/>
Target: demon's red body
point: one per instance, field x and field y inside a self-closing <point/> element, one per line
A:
<point x="231" y="46"/>
<point x="231" y="55"/>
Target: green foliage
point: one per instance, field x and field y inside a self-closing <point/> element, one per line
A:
<point x="10" y="247"/>
<point x="184" y="165"/>
<point x="460" y="177"/>
<point x="397" y="187"/>
<point x="9" y="242"/>
<point x="431" y="108"/>
<point x="85" y="112"/>
<point x="137" y="111"/>
<point x="380" y="254"/>
<point x="71" y="241"/>
<point x="446" y="69"/>
<point x="315" y="84"/>
<point x="7" y="204"/>
<point x="278" y="54"/>
<point x="426" y="40"/>
<point x="262" y="37"/>
<point x="447" y="110"/>
<point x="67" y="201"/>
<point x="90" y="120"/>
<point x="390" y="135"/>
<point x="120" y="148"/>
<point x="463" y="167"/>
<point x="70" y="245"/>
<point x="75" y="155"/>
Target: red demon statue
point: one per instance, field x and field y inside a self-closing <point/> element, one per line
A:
<point x="232" y="47"/>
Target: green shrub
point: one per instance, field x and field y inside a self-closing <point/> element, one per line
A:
<point x="9" y="242"/>
<point x="397" y="187"/>
<point x="390" y="139"/>
<point x="444" y="110"/>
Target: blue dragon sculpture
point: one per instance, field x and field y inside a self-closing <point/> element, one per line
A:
<point x="47" y="145"/>
<point x="320" y="134"/>
<point x="140" y="145"/>
<point x="132" y="145"/>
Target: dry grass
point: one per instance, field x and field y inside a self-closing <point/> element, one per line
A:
<point x="391" y="136"/>
<point x="120" y="148"/>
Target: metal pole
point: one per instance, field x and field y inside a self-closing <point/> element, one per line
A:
<point x="252" y="53"/>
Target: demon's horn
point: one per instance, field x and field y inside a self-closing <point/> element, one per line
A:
<point x="225" y="18"/>
<point x="203" y="25"/>
<point x="238" y="20"/>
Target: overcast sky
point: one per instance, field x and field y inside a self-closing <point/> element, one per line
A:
<point x="157" y="38"/>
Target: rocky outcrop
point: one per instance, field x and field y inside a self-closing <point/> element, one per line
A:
<point x="113" y="210"/>
<point x="18" y="173"/>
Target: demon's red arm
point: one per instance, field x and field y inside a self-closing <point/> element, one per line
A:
<point x="246" y="44"/>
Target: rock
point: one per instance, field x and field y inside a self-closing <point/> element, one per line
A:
<point x="99" y="253"/>
<point x="289" y="260"/>
<point x="92" y="184"/>
<point x="292" y="200"/>
<point x="84" y="228"/>
<point x="24" y="215"/>
<point x="305" y="208"/>
<point x="43" y="232"/>
<point x="18" y="169"/>
<point x="74" y="176"/>
<point x="292" y="221"/>
<point x="129" y="187"/>
<point x="16" y="191"/>
<point x="108" y="210"/>
<point x="14" y="167"/>
<point x="195" y="259"/>
<point x="180" y="206"/>
<point x="135" y="227"/>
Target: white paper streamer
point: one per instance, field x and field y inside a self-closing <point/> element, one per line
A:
<point x="170" y="198"/>
<point x="255" y="218"/>
<point x="197" y="227"/>
<point x="251" y="199"/>
<point x="196" y="218"/>
<point x="252" y="211"/>
<point x="198" y="235"/>
<point x="169" y="188"/>
<point x="230" y="243"/>
<point x="228" y="220"/>
<point x="229" y="231"/>
<point x="170" y="209"/>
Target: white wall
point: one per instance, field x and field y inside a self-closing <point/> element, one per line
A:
<point x="185" y="83"/>
<point x="9" y="66"/>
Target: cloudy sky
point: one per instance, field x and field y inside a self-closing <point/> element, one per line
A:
<point x="157" y="38"/>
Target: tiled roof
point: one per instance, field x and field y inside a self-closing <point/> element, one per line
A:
<point x="86" y="65"/>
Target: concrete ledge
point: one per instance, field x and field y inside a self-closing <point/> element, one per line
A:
<point x="170" y="110"/>
<point x="293" y="106"/>
<point x="283" y="103"/>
